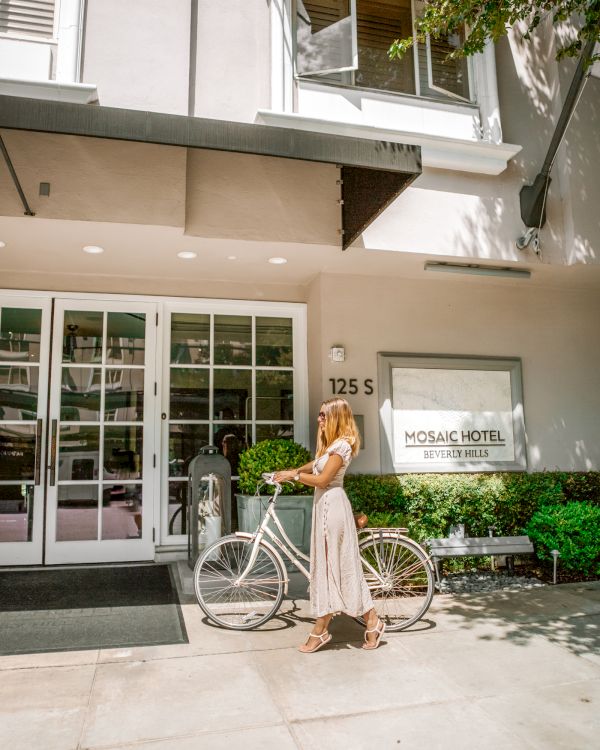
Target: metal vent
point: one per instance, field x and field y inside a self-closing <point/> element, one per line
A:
<point x="27" y="17"/>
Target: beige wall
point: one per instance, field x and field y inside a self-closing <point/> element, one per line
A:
<point x="554" y="332"/>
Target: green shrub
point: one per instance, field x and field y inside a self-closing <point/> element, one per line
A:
<point x="574" y="530"/>
<point x="272" y="455"/>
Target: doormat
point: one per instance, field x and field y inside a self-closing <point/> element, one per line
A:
<point x="88" y="608"/>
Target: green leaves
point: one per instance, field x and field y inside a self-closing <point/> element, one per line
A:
<point x="272" y="455"/>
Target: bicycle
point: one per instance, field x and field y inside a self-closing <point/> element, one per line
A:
<point x="241" y="579"/>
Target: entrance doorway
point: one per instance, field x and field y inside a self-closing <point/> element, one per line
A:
<point x="77" y="411"/>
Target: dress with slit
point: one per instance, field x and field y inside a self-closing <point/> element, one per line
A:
<point x="337" y="582"/>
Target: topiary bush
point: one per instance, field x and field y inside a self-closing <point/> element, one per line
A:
<point x="272" y="455"/>
<point x="574" y="530"/>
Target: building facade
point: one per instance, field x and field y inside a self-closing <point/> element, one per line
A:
<point x="243" y="208"/>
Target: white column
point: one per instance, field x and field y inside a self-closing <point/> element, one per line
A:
<point x="487" y="94"/>
<point x="282" y="76"/>
<point x="70" y="29"/>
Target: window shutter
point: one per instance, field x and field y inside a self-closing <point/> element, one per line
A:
<point x="27" y="17"/>
<point x="326" y="37"/>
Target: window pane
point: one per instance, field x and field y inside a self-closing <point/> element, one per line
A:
<point x="17" y="452"/>
<point x="379" y="23"/>
<point x="233" y="340"/>
<point x="190" y="339"/>
<point x="122" y="511"/>
<point x="449" y="75"/>
<point x="231" y="440"/>
<point x="274" y="342"/>
<point x="185" y="441"/>
<point x="80" y="394"/>
<point x="124" y="395"/>
<point x="20" y="334"/>
<point x="123" y="452"/>
<point x="16" y="513"/>
<point x="125" y="338"/>
<point x="325" y="39"/>
<point x="189" y="393"/>
<point x="177" y="508"/>
<point x="82" y="336"/>
<point x="78" y="452"/>
<point x="18" y="392"/>
<point x="232" y="397"/>
<point x="274" y="394"/>
<point x="270" y="431"/>
<point x="77" y="513"/>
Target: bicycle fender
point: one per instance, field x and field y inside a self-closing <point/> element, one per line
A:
<point x="271" y="548"/>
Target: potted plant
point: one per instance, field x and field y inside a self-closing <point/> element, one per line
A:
<point x="294" y="506"/>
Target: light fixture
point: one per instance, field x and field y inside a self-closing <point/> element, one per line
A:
<point x="187" y="254"/>
<point x="232" y="257"/>
<point x="93" y="249"/>
<point x="277" y="261"/>
<point x="477" y="270"/>
<point x="337" y="353"/>
<point x="2" y="244"/>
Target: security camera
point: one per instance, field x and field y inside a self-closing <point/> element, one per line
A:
<point x="531" y="235"/>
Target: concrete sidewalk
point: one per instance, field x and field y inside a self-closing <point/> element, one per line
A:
<point x="512" y="670"/>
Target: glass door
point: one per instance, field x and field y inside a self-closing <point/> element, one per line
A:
<point x="24" y="352"/>
<point x="102" y="458"/>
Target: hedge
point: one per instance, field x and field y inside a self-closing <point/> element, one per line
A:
<point x="428" y="504"/>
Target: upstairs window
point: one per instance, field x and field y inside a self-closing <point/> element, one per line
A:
<point x="27" y="18"/>
<point x="347" y="41"/>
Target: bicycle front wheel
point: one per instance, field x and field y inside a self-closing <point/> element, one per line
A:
<point x="229" y="602"/>
<point x="399" y="577"/>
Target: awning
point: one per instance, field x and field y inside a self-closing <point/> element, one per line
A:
<point x="373" y="172"/>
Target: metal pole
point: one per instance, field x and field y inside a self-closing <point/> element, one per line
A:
<point x="15" y="179"/>
<point x="555" y="554"/>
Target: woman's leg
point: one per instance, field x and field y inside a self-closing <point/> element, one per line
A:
<point x="319" y="629"/>
<point x="371" y="621"/>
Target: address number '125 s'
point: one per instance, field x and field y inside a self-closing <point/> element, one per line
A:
<point x="350" y="386"/>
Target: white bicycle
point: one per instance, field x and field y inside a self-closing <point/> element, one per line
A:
<point x="241" y="579"/>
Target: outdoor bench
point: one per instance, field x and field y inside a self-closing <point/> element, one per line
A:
<point x="476" y="546"/>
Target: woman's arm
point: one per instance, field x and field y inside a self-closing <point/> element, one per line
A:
<point x="322" y="480"/>
<point x="289" y="474"/>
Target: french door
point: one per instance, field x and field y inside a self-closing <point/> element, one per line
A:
<point x="77" y="411"/>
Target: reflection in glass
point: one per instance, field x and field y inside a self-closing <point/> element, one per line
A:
<point x="123" y="452"/>
<point x="185" y="441"/>
<point x="122" y="511"/>
<point x="190" y="339"/>
<point x="231" y="440"/>
<point x="232" y="394"/>
<point x="177" y="508"/>
<point x="189" y="393"/>
<point x="17" y="452"/>
<point x="16" y="513"/>
<point x="80" y="394"/>
<point x="274" y="342"/>
<point x="77" y="513"/>
<point x="20" y="334"/>
<point x="124" y="395"/>
<point x="18" y="392"/>
<point x="78" y="452"/>
<point x="233" y="340"/>
<point x="125" y="338"/>
<point x="82" y="336"/>
<point x="270" y="431"/>
<point x="274" y="394"/>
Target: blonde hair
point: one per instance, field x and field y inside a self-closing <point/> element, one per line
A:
<point x="339" y="425"/>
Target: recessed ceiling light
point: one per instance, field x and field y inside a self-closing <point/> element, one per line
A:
<point x="277" y="261"/>
<point x="93" y="249"/>
<point x="2" y="244"/>
<point x="232" y="257"/>
<point x="187" y="255"/>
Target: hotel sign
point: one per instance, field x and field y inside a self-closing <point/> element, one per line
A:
<point x="451" y="414"/>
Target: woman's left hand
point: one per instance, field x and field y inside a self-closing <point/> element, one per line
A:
<point x="285" y="476"/>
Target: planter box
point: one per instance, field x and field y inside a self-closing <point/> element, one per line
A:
<point x="293" y="511"/>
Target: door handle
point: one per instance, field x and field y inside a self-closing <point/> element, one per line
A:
<point x="52" y="466"/>
<point x="38" y="451"/>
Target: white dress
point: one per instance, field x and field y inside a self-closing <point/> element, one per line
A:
<point x="337" y="582"/>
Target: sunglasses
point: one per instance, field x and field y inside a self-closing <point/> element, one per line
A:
<point x="321" y="415"/>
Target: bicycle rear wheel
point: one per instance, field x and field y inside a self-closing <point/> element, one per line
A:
<point x="226" y="601"/>
<point x="405" y="590"/>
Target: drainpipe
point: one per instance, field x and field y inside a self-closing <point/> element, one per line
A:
<point x="70" y="33"/>
<point x="533" y="197"/>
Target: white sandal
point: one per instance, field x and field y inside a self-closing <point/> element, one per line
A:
<point x="377" y="629"/>
<point x="324" y="639"/>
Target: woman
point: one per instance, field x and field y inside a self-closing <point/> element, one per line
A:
<point x="337" y="583"/>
